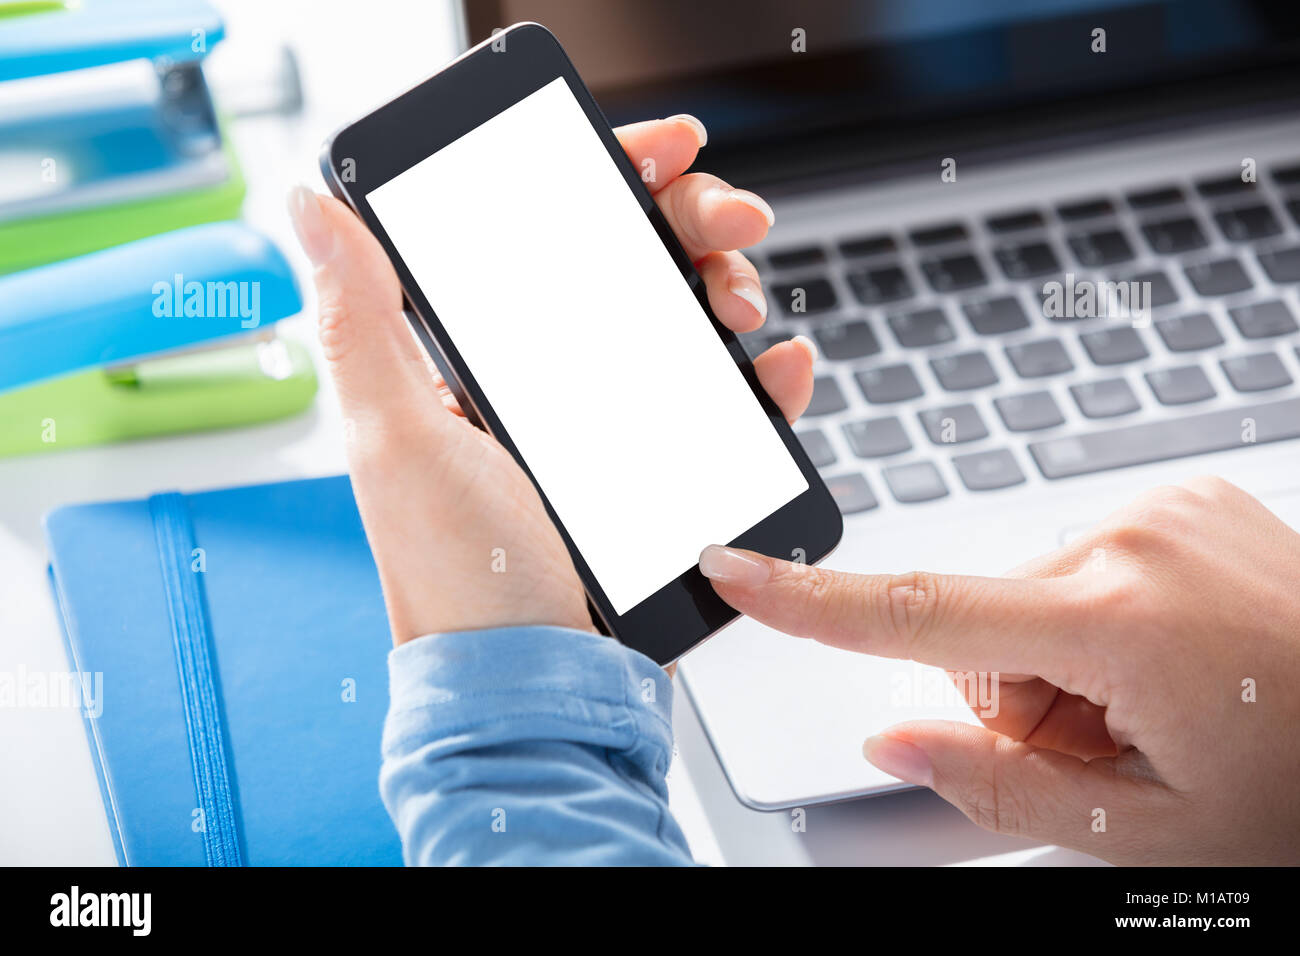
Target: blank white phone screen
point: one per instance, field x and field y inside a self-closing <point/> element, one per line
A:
<point x="588" y="343"/>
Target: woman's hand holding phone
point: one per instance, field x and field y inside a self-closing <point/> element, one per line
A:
<point x="459" y="533"/>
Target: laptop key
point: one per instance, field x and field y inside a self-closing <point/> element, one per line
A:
<point x="1287" y="175"/>
<point x="954" y="273"/>
<point x="1221" y="277"/>
<point x="911" y="484"/>
<point x="1029" y="412"/>
<point x="1227" y="186"/>
<point x="1189" y="333"/>
<point x="1248" y="223"/>
<point x="1039" y="358"/>
<point x="1293" y="207"/>
<point x="1180" y="386"/>
<point x="1263" y="319"/>
<point x="996" y="316"/>
<point x="1157" y="287"/>
<point x="1085" y="209"/>
<point x="953" y="424"/>
<point x="892" y="383"/>
<point x="844" y="341"/>
<point x="826" y="398"/>
<point x="1281" y="265"/>
<point x="1114" y="346"/>
<point x="1255" y="373"/>
<point x="1105" y="399"/>
<point x="1027" y="260"/>
<point x="868" y="246"/>
<point x="1015" y="221"/>
<point x="964" y="371"/>
<point x="1171" y="236"/>
<point x="937" y="235"/>
<point x="877" y="437"/>
<point x="793" y="258"/>
<point x="1102" y="248"/>
<point x="988" y="470"/>
<point x="851" y="493"/>
<point x="806" y="296"/>
<point x="874" y="286"/>
<point x="1153" y="198"/>
<point x="922" y="328"/>
<point x="1164" y="440"/>
<point x="818" y="447"/>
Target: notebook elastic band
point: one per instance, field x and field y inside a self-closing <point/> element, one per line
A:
<point x="194" y="666"/>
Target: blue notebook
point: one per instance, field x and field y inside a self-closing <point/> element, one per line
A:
<point x="242" y="641"/>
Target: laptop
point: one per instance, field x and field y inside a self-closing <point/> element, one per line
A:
<point x="944" y="174"/>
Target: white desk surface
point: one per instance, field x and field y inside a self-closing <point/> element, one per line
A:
<point x="50" y="809"/>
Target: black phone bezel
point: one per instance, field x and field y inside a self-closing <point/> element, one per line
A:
<point x="486" y="80"/>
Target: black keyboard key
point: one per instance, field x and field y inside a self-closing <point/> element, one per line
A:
<point x="988" y="470"/>
<point x="874" y="286"/>
<point x="1153" y="198"/>
<point x="1287" y="175"/>
<point x="911" y="484"/>
<point x="1263" y="320"/>
<point x="851" y="493"/>
<point x="1248" y="223"/>
<point x="937" y="235"/>
<point x="877" y="437"/>
<point x="1026" y="260"/>
<point x="1281" y="265"/>
<point x="996" y="316"/>
<point x="892" y="383"/>
<point x="1102" y="248"/>
<point x="1164" y="440"/>
<point x="1170" y="237"/>
<point x="1157" y="289"/>
<point x="756" y="343"/>
<point x="953" y="424"/>
<point x="1221" y="277"/>
<point x="845" y="341"/>
<point x="1114" y="346"/>
<point x="1227" y="186"/>
<point x="818" y="447"/>
<point x="954" y="273"/>
<point x="1105" y="399"/>
<point x="967" y="370"/>
<point x="807" y="296"/>
<point x="793" y="258"/>
<point x="1293" y="207"/>
<point x="1029" y="412"/>
<point x="1039" y="358"/>
<point x="1085" y="209"/>
<point x="1256" y="373"/>
<point x="867" y="246"/>
<point x="921" y="329"/>
<point x="1180" y="386"/>
<point x="1189" y="333"/>
<point x="827" y="397"/>
<point x="1015" y="221"/>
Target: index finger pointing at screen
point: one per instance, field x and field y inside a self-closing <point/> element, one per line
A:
<point x="1014" y="625"/>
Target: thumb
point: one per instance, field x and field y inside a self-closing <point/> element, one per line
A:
<point x="1011" y="787"/>
<point x="379" y="370"/>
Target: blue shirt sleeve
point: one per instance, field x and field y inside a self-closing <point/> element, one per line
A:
<point x="529" y="746"/>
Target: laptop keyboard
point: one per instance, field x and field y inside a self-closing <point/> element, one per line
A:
<point x="941" y="367"/>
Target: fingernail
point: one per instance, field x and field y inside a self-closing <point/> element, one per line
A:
<point x="731" y="567"/>
<point x="900" y="759"/>
<point x="313" y="234"/>
<point x="751" y="199"/>
<point x="809" y="346"/>
<point x="746" y="288"/>
<point x="701" y="134"/>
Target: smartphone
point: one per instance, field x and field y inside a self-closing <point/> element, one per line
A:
<point x="571" y="325"/>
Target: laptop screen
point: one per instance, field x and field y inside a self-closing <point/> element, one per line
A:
<point x="765" y="71"/>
